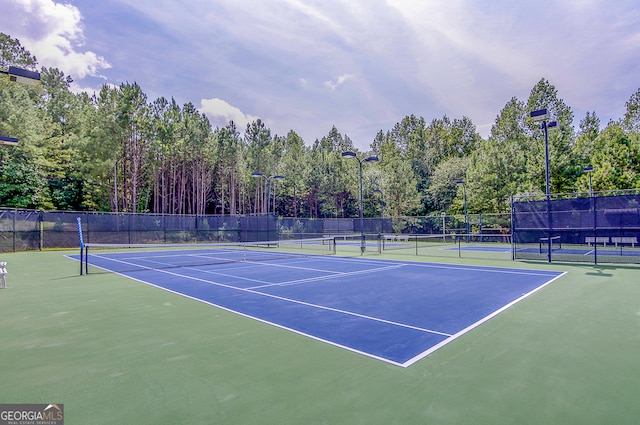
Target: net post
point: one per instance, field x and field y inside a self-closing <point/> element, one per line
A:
<point x="81" y="241"/>
<point x="513" y="231"/>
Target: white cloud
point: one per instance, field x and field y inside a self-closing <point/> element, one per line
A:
<point x="220" y="113"/>
<point x="341" y="80"/>
<point x="53" y="32"/>
<point x="396" y="57"/>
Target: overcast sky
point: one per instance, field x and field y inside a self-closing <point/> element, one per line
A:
<point x="361" y="65"/>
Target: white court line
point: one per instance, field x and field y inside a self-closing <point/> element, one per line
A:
<point x="449" y="337"/>
<point x="478" y="323"/>
<point x="265" y="284"/>
<point x="332" y="276"/>
<point x="248" y="279"/>
<point x="254" y="292"/>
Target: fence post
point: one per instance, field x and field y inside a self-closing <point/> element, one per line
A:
<point x="41" y="228"/>
<point x="15" y="212"/>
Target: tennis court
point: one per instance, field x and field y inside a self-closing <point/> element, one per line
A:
<point x="394" y="311"/>
<point x="114" y="350"/>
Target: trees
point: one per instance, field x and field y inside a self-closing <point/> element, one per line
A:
<point x="498" y="168"/>
<point x="631" y="119"/>
<point x="398" y="182"/>
<point x="13" y="54"/>
<point x="333" y="182"/>
<point x="616" y="161"/>
<point x="24" y="168"/>
<point x="563" y="166"/>
<point x="118" y="151"/>
<point x="295" y="165"/>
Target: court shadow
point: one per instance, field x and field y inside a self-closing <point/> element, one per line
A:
<point x="599" y="272"/>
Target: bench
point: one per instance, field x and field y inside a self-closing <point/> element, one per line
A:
<point x="554" y="240"/>
<point x="594" y="240"/>
<point x="624" y="240"/>
<point x="397" y="238"/>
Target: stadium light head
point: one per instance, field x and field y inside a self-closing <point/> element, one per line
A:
<point x="19" y="75"/>
<point x="11" y="141"/>
<point x="349" y="154"/>
<point x="539" y="115"/>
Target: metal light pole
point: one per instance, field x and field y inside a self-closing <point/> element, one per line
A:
<point x="589" y="170"/>
<point x="464" y="207"/>
<point x="542" y="115"/>
<point x="269" y="178"/>
<point x="382" y="204"/>
<point x="592" y="200"/>
<point x="350" y="154"/>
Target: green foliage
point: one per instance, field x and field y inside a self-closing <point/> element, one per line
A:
<point x="617" y="161"/>
<point x="498" y="167"/>
<point x="13" y="54"/>
<point x="118" y="151"/>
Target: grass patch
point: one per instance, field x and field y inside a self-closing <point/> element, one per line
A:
<point x="116" y="351"/>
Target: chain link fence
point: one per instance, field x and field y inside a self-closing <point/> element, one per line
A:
<point x="22" y="230"/>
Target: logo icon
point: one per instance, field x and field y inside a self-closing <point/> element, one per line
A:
<point x="32" y="414"/>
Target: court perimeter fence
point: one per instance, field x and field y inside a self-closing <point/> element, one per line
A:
<point x="576" y="227"/>
<point x="602" y="227"/>
<point x="22" y="230"/>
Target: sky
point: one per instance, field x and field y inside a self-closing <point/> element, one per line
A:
<point x="358" y="65"/>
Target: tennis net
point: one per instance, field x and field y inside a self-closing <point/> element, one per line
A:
<point x="132" y="257"/>
<point x="469" y="245"/>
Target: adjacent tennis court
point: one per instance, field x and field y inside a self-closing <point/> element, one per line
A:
<point x="395" y="311"/>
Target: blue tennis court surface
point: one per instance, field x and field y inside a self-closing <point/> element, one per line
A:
<point x="398" y="312"/>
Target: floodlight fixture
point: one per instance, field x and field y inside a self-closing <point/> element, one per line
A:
<point x="19" y="75"/>
<point x="11" y="141"/>
<point x="539" y="115"/>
